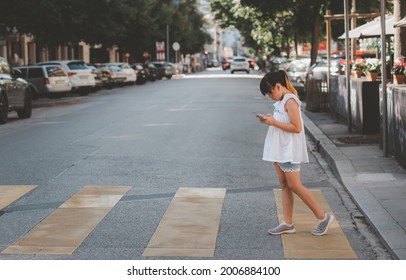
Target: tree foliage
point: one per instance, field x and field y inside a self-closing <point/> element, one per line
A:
<point x="277" y="24"/>
<point x="133" y="25"/>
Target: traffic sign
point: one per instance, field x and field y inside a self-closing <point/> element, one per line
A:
<point x="176" y="46"/>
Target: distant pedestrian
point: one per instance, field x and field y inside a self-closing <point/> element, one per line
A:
<point x="285" y="145"/>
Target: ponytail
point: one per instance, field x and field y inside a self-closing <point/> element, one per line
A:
<point x="289" y="85"/>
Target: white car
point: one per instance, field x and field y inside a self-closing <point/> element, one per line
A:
<point x="46" y="80"/>
<point x="131" y="76"/>
<point x="240" y="64"/>
<point x="80" y="76"/>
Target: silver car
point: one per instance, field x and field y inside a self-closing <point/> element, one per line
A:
<point x="131" y="77"/>
<point x="296" y="72"/>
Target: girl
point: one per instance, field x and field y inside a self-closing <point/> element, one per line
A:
<point x="285" y="145"/>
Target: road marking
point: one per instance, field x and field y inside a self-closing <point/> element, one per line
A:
<point x="304" y="245"/>
<point x="190" y="224"/>
<point x="68" y="226"/>
<point x="9" y="194"/>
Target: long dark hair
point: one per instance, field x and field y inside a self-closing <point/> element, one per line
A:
<point x="270" y="80"/>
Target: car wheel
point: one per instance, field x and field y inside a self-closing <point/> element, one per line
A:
<point x="3" y="108"/>
<point x="248" y="72"/>
<point x="169" y="77"/>
<point x="232" y="72"/>
<point x="26" y="112"/>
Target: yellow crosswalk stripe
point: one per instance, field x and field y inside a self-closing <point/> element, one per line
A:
<point x="9" y="194"/>
<point x="304" y="245"/>
<point x="190" y="225"/>
<point x="68" y="226"/>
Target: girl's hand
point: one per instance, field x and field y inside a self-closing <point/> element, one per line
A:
<point x="266" y="119"/>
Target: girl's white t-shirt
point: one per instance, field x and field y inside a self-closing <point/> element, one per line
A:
<point x="282" y="146"/>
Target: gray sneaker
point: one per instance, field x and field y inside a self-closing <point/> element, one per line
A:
<point x="322" y="227"/>
<point x="282" y="228"/>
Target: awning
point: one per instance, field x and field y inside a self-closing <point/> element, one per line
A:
<point x="401" y="23"/>
<point x="372" y="29"/>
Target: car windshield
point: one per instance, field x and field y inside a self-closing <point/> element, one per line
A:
<point x="239" y="60"/>
<point x="77" y="66"/>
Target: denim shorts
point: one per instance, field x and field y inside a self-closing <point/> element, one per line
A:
<point x="289" y="167"/>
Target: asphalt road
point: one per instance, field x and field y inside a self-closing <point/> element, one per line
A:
<point x="197" y="131"/>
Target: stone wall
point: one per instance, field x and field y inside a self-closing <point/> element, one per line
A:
<point x="364" y="96"/>
<point x="396" y="108"/>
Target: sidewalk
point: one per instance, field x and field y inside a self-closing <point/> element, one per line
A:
<point x="376" y="183"/>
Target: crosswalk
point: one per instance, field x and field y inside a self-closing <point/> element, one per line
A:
<point x="188" y="228"/>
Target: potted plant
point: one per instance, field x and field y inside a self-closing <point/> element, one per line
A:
<point x="398" y="70"/>
<point x="358" y="66"/>
<point x="372" y="68"/>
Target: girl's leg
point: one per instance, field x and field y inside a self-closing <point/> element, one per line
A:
<point x="295" y="185"/>
<point x="287" y="196"/>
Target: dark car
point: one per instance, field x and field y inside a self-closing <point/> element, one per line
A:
<point x="252" y="64"/>
<point x="152" y="71"/>
<point x="142" y="76"/>
<point x="15" y="95"/>
<point x="167" y="69"/>
<point x="225" y="64"/>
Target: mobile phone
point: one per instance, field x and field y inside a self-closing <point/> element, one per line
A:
<point x="260" y="116"/>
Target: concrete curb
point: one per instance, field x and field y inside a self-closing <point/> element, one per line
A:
<point x="392" y="235"/>
<point x="56" y="102"/>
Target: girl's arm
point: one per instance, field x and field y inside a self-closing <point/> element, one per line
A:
<point x="295" y="125"/>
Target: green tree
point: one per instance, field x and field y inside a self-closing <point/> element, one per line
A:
<point x="187" y="28"/>
<point x="284" y="22"/>
<point x="133" y="25"/>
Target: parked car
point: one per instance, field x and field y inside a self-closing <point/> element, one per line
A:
<point x="296" y="72"/>
<point x="240" y="64"/>
<point x="80" y="76"/>
<point x="15" y="94"/>
<point x="152" y="71"/>
<point x="105" y="75"/>
<point x="117" y="74"/>
<point x="318" y="70"/>
<point x="167" y="69"/>
<point x="278" y="63"/>
<point x="131" y="76"/>
<point x="142" y="76"/>
<point x="46" y="80"/>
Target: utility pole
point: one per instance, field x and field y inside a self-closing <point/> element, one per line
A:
<point x="353" y="25"/>
<point x="384" y="94"/>
<point x="167" y="42"/>
<point x="347" y="65"/>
